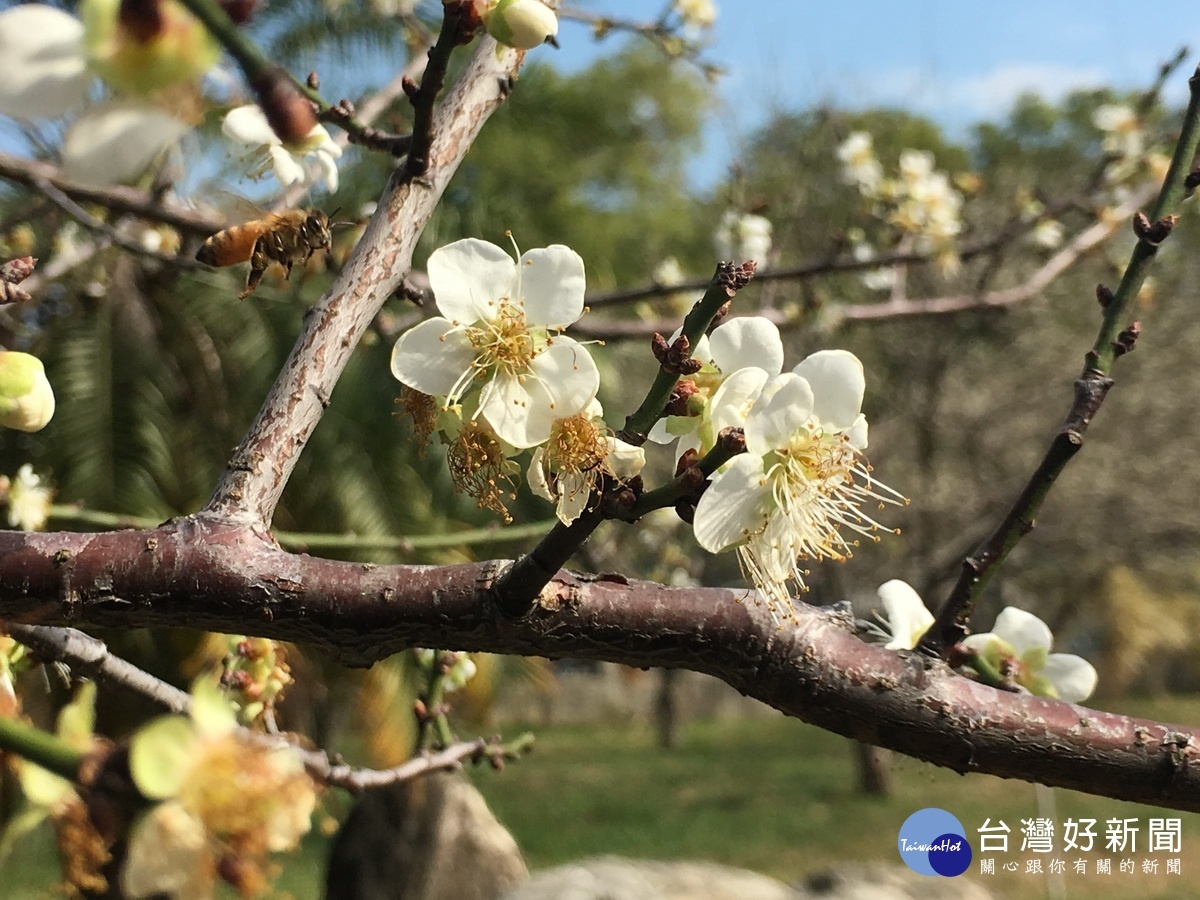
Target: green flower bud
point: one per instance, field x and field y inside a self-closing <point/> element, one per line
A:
<point x="26" y="398"/>
<point x="523" y="24"/>
<point x="145" y="50"/>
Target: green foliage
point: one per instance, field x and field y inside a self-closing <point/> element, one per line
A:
<point x="595" y="160"/>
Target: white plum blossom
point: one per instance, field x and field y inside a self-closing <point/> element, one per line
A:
<point x="461" y="670"/>
<point x="696" y="14"/>
<point x="1018" y="648"/>
<point x="115" y="142"/>
<point x="28" y="500"/>
<point x="906" y="614"/>
<point x="798" y="490"/>
<point x="859" y="165"/>
<point x="743" y="236"/>
<point x="46" y="73"/>
<point x="498" y="331"/>
<point x="248" y="125"/>
<point x="1123" y="135"/>
<point x="737" y="359"/>
<point x="43" y="66"/>
<point x="580" y="450"/>
<point x="1048" y="233"/>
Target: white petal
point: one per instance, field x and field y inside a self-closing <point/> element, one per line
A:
<point x="569" y="374"/>
<point x="288" y="169"/>
<point x="116" y="142"/>
<point x="838" y="385"/>
<point x="537" y="476"/>
<point x="518" y="412"/>
<point x="785" y="404"/>
<point x="734" y="506"/>
<point x="625" y="460"/>
<point x="858" y="433"/>
<point x="658" y="432"/>
<point x="574" y="492"/>
<point x="980" y="644"/>
<point x="1073" y="677"/>
<point x="748" y="341"/>
<point x="735" y="398"/>
<point x="432" y="357"/>
<point x="907" y="616"/>
<point x="552" y="286"/>
<point x="329" y="170"/>
<point x="248" y="125"/>
<point x="42" y="62"/>
<point x="1023" y="630"/>
<point x="468" y="277"/>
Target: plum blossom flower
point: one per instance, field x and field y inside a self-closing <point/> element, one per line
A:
<point x="906" y="614"/>
<point x="115" y="142"/>
<point x="43" y="66"/>
<point x="859" y="165"/>
<point x="799" y="489"/>
<point x="696" y="14"/>
<point x="499" y="328"/>
<point x="1018" y="648"/>
<point x="1123" y="135"/>
<point x="742" y="236"/>
<point x="248" y="125"/>
<point x="48" y="60"/>
<point x="28" y="500"/>
<point x="461" y="668"/>
<point x="222" y="793"/>
<point x="580" y="450"/>
<point x="737" y="359"/>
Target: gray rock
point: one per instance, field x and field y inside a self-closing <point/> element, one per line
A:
<point x="432" y="838"/>
<point x="618" y="878"/>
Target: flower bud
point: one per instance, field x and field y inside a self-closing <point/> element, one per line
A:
<point x="143" y="46"/>
<point x="26" y="398"/>
<point x="523" y="24"/>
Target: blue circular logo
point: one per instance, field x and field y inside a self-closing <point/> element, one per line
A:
<point x="933" y="842"/>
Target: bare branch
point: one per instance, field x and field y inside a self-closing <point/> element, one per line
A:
<point x="201" y="573"/>
<point x="258" y="472"/>
<point x="1070" y="254"/>
<point x="119" y="199"/>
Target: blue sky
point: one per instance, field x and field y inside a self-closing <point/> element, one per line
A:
<point x="958" y="62"/>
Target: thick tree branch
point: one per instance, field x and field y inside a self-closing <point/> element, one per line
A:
<point x="259" y="469"/>
<point x="202" y="573"/>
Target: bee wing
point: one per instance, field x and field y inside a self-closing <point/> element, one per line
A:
<point x="236" y="207"/>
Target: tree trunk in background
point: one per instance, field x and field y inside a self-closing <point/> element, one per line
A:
<point x="874" y="770"/>
<point x="666" y="709"/>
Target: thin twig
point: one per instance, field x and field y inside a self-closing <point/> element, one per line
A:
<point x="1071" y="253"/>
<point x="86" y="219"/>
<point x="119" y="199"/>
<point x="1116" y="336"/>
<point x="92" y="657"/>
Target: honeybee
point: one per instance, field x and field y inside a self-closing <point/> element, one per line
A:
<point x="285" y="238"/>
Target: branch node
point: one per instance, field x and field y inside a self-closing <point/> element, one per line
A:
<point x="1127" y="339"/>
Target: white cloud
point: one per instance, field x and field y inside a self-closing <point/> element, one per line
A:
<point x="994" y="92"/>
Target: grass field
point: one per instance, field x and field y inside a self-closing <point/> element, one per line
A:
<point x="779" y="797"/>
<point x="770" y="794"/>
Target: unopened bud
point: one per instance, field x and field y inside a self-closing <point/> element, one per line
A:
<point x="289" y="113"/>
<point x="523" y="24"/>
<point x="26" y="398"/>
<point x="141" y="46"/>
